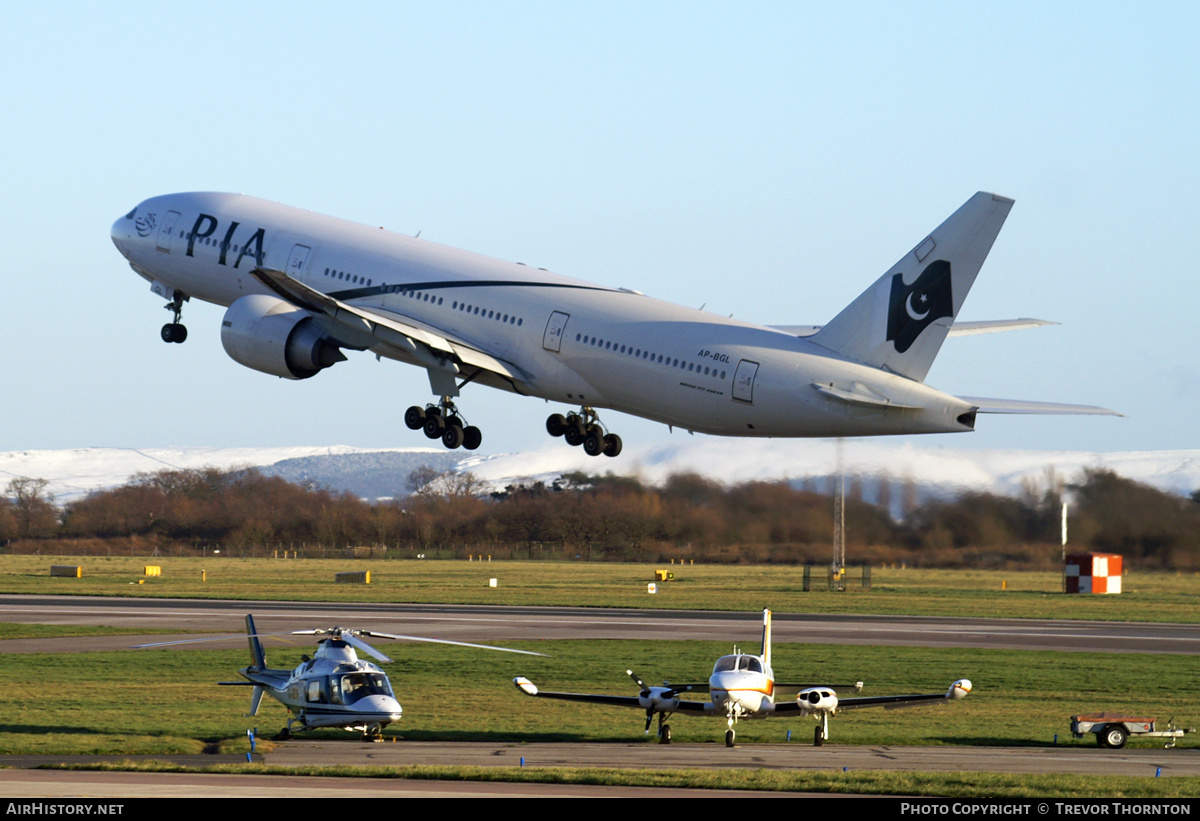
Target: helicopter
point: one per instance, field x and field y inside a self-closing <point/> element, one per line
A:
<point x="334" y="688"/>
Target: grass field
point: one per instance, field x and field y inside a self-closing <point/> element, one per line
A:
<point x="1148" y="596"/>
<point x="166" y="700"/>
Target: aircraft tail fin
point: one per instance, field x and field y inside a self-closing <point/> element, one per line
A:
<point x="900" y="322"/>
<point x="766" y="644"/>
<point x="258" y="659"/>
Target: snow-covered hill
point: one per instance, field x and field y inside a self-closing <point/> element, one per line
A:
<point x="381" y="472"/>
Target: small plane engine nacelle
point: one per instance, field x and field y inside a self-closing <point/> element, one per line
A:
<point x="659" y="698"/>
<point x="817" y="700"/>
<point x="272" y="336"/>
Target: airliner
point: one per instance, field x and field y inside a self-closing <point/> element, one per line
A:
<point x="302" y="289"/>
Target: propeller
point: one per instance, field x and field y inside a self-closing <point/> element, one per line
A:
<point x="666" y="691"/>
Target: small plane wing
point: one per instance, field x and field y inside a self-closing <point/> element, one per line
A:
<point x="959" y="689"/>
<point x="789" y="688"/>
<point x="983" y="405"/>
<point x="384" y="327"/>
<point x="989" y="326"/>
<point x="530" y="689"/>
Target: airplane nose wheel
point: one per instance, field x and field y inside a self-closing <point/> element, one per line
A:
<point x="729" y="736"/>
<point x="442" y="421"/>
<point x="174" y="331"/>
<point x="584" y="428"/>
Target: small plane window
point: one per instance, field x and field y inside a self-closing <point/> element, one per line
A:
<point x="725" y="664"/>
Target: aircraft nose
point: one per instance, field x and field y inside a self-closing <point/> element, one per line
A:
<point x="122" y="233"/>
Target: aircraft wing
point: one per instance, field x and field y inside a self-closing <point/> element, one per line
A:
<point x="789" y="688"/>
<point x="429" y="345"/>
<point x="983" y="405"/>
<point x="989" y="326"/>
<point x="959" y="689"/>
<point x="528" y="688"/>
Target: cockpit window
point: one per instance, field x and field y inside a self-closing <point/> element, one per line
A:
<point x="726" y="663"/>
<point x="357" y="685"/>
<point x="129" y="216"/>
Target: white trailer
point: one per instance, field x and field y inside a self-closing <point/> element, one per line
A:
<point x="1113" y="730"/>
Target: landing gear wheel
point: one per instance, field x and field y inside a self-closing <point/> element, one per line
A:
<point x="414" y="417"/>
<point x="819" y="736"/>
<point x="453" y="436"/>
<point x="612" y="445"/>
<point x="174" y="332"/>
<point x="593" y="445"/>
<point x="1112" y="736"/>
<point x="664" y="735"/>
<point x="574" y="434"/>
<point x="556" y="424"/>
<point x="729" y="738"/>
<point x="472" y="438"/>
<point x="285" y="734"/>
<point x="435" y="425"/>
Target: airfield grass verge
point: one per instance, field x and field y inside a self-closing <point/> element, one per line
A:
<point x="165" y="701"/>
<point x="1157" y="596"/>
<point x="947" y="785"/>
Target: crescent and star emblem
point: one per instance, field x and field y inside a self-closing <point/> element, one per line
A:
<point x="912" y="313"/>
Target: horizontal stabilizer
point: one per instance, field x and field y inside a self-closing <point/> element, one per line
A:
<point x="992" y="326"/>
<point x="1035" y="408"/>
<point x="989" y="326"/>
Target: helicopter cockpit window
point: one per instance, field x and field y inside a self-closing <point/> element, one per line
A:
<point x="316" y="693"/>
<point x="357" y="685"/>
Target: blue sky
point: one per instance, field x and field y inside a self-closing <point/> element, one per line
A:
<point x="766" y="160"/>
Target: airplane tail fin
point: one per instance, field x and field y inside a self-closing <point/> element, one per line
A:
<point x="766" y="644"/>
<point x="258" y="660"/>
<point x="900" y="322"/>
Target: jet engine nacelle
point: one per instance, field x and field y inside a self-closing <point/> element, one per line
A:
<point x="275" y="337"/>
<point x="817" y="700"/>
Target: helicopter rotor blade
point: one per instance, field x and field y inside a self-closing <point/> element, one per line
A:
<point x="358" y="643"/>
<point x="210" y="638"/>
<point x="446" y="641"/>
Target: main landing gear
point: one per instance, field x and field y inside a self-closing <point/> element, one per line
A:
<point x="442" y="421"/>
<point x="174" y="331"/>
<point x="584" y="428"/>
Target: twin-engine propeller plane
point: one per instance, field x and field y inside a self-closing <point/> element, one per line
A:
<point x="743" y="686"/>
<point x="334" y="688"/>
<point x="302" y="288"/>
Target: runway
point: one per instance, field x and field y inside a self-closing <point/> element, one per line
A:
<point x="483" y="623"/>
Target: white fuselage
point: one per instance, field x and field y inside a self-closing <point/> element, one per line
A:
<point x="568" y="341"/>
<point x="336" y="689"/>
<point x="742" y="686"/>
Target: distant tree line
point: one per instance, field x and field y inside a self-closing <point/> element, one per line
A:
<point x="587" y="517"/>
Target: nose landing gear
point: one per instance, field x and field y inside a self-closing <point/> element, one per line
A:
<point x="442" y="421"/>
<point x="584" y="428"/>
<point x="174" y="331"/>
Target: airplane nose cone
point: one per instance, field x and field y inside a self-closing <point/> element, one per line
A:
<point x="121" y="233"/>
